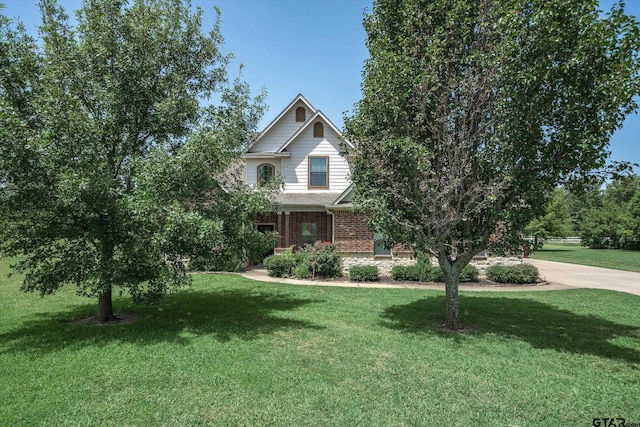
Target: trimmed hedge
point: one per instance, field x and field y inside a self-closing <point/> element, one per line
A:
<point x="430" y="273"/>
<point x="363" y="273"/>
<point x="468" y="274"/>
<point x="405" y="272"/>
<point x="518" y="274"/>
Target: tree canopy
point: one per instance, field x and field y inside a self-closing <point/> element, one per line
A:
<point x="111" y="170"/>
<point x="474" y="111"/>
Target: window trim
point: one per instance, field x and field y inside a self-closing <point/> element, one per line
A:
<point x="301" y="115"/>
<point x="309" y="172"/>
<point x="318" y="130"/>
<point x="259" y="182"/>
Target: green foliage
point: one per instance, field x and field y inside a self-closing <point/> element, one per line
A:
<point x="443" y="160"/>
<point x="301" y="271"/>
<point x="468" y="274"/>
<point x="406" y="272"/>
<point x="111" y="173"/>
<point x="610" y="218"/>
<point x="519" y="274"/>
<point x="364" y="273"/>
<point x="556" y="221"/>
<point x="321" y="261"/>
<point x="283" y="265"/>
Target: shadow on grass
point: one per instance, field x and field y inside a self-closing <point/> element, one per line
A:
<point x="543" y="326"/>
<point x="222" y="314"/>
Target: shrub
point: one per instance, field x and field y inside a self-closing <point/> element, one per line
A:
<point x="319" y="260"/>
<point x="363" y="273"/>
<point x="301" y="271"/>
<point x="283" y="265"/>
<point x="415" y="273"/>
<point x="322" y="259"/>
<point x="523" y="273"/>
<point x="405" y="272"/>
<point x="468" y="274"/>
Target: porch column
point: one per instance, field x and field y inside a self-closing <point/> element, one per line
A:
<point x="286" y="229"/>
<point x="329" y="234"/>
<point x="279" y="229"/>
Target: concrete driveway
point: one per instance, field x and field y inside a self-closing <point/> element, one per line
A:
<point x="582" y="276"/>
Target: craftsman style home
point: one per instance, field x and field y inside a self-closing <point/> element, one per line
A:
<point x="303" y="146"/>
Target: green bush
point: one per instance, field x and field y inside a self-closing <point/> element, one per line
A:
<point x="405" y="272"/>
<point x="363" y="273"/>
<point x="319" y="261"/>
<point x="322" y="259"/>
<point x="283" y="265"/>
<point x="301" y="271"/>
<point x="468" y="274"/>
<point x="523" y="273"/>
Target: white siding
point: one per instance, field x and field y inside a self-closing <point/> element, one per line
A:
<point x="295" y="168"/>
<point x="252" y="168"/>
<point x="282" y="130"/>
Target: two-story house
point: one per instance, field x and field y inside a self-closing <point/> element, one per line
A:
<point x="303" y="146"/>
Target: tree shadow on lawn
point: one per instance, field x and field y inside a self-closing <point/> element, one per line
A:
<point x="222" y="314"/>
<point x="543" y="326"/>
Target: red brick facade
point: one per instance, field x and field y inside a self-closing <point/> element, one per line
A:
<point x="352" y="234"/>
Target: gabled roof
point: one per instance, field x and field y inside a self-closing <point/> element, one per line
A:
<point x="344" y="195"/>
<point x="305" y="125"/>
<point x="299" y="97"/>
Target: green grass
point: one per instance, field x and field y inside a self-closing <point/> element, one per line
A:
<point x="618" y="259"/>
<point x="230" y="351"/>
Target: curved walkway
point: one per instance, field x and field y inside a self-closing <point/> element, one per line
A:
<point x="556" y="275"/>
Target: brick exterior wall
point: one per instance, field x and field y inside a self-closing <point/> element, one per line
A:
<point x="352" y="234"/>
<point x="323" y="226"/>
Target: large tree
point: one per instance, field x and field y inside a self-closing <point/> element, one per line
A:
<point x="473" y="111"/>
<point x="111" y="172"/>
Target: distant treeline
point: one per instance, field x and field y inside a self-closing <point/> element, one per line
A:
<point x="603" y="217"/>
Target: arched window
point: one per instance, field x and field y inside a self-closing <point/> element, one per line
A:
<point x="266" y="173"/>
<point x="300" y="114"/>
<point x="318" y="130"/>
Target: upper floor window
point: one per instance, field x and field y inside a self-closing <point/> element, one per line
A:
<point x="266" y="173"/>
<point x="300" y="114"/>
<point x="319" y="172"/>
<point x="318" y="130"/>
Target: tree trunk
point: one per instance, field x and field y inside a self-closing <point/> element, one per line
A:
<point x="105" y="307"/>
<point x="452" y="321"/>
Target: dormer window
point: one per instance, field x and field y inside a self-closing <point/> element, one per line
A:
<point x="266" y="172"/>
<point x="301" y="114"/>
<point x="318" y="130"/>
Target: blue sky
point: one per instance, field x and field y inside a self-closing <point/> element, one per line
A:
<point x="313" y="47"/>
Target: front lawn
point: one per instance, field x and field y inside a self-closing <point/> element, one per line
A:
<point x="231" y="351"/>
<point x="618" y="259"/>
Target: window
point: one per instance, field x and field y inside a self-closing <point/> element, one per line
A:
<point x="319" y="172"/>
<point x="379" y="247"/>
<point x="309" y="233"/>
<point x="318" y="130"/>
<point x="265" y="173"/>
<point x="300" y="114"/>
